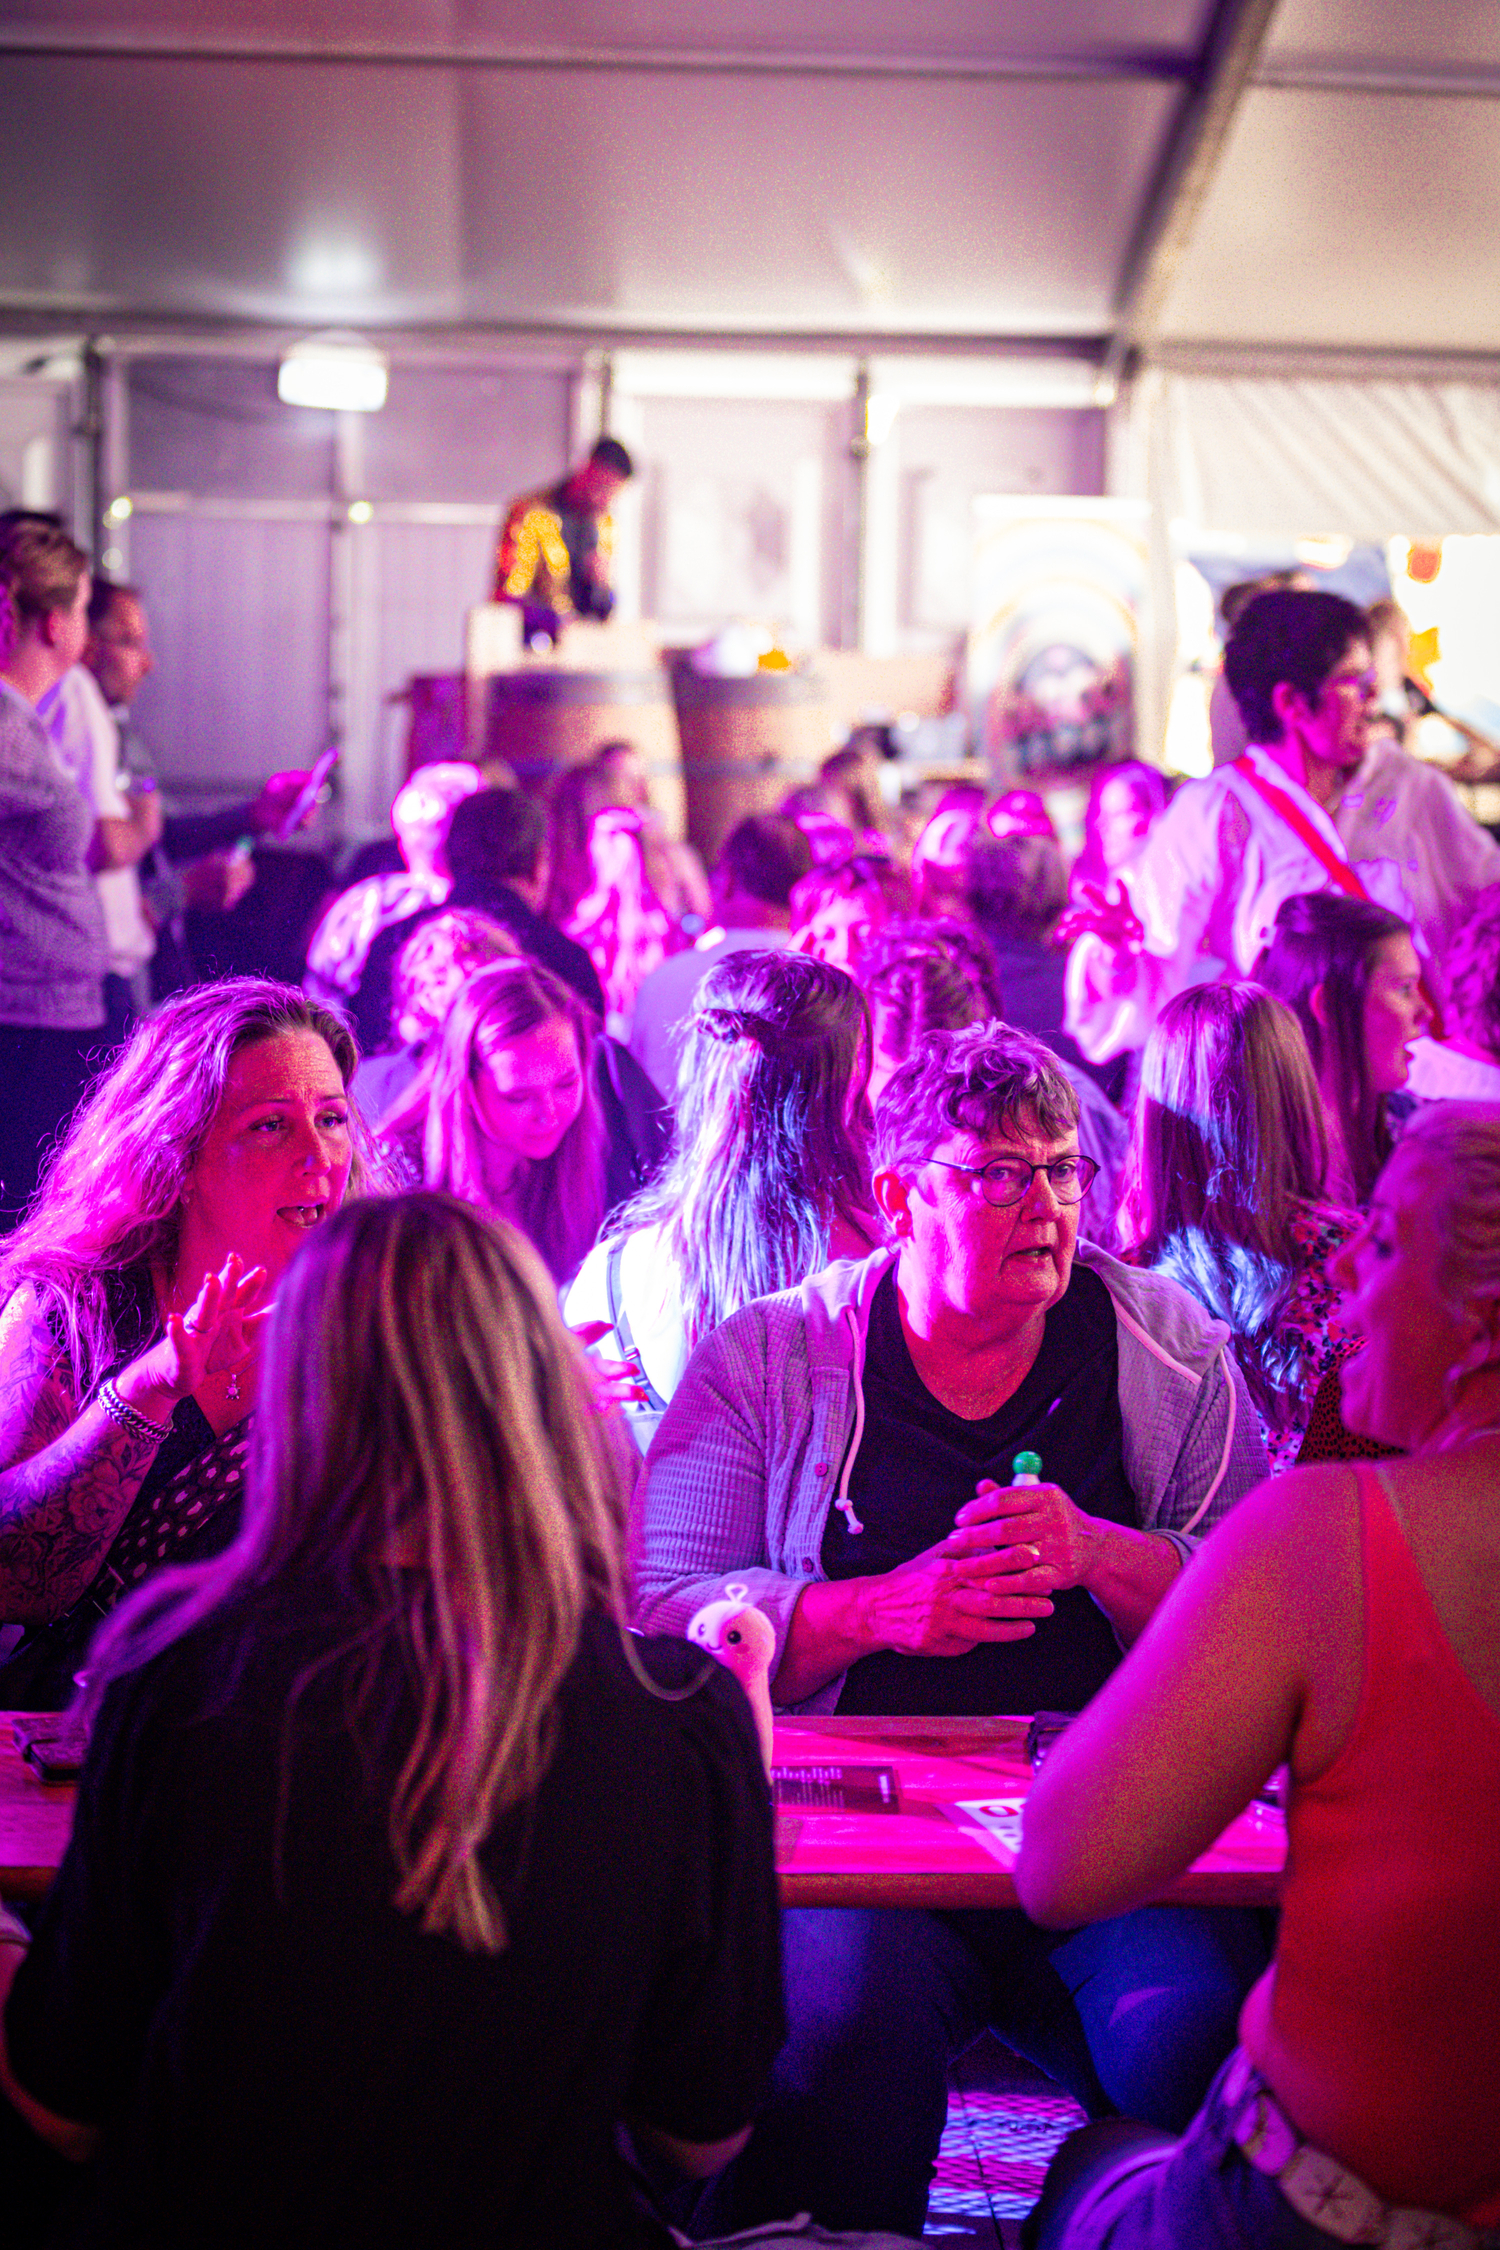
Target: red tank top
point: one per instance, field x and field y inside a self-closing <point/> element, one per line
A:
<point x="1378" y="2024"/>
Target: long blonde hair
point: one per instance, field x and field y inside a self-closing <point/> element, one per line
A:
<point x="559" y="1201"/>
<point x="426" y="1448"/>
<point x="111" y="1196"/>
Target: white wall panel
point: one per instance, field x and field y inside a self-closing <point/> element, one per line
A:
<point x="417" y="581"/>
<point x="945" y="457"/>
<point x="743" y="513"/>
<point x="239" y="619"/>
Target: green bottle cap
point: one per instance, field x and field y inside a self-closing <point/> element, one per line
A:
<point x="1026" y="1465"/>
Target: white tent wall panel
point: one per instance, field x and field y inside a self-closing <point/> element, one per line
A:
<point x="1297" y="456"/>
<point x="414" y="585"/>
<point x="36" y="453"/>
<point x="215" y="428"/>
<point x="744" y="514"/>
<point x="239" y="620"/>
<point x="946" y="458"/>
<point x="467" y="433"/>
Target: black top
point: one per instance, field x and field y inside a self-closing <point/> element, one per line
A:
<point x="563" y="955"/>
<point x="187" y="1508"/>
<point x="918" y="1464"/>
<point x="277" y="2056"/>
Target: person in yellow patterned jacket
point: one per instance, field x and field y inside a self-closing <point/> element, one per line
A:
<point x="556" y="546"/>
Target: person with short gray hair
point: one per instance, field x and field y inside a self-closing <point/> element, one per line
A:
<point x="849" y="1452"/>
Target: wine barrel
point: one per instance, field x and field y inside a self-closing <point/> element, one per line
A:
<point x="542" y="720"/>
<point x="745" y="743"/>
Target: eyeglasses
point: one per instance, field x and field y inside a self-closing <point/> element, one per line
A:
<point x="1358" y="683"/>
<point x="1009" y="1179"/>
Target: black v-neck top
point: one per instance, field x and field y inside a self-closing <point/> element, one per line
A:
<point x="918" y="1464"/>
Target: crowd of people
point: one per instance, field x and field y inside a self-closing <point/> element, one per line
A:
<point x="394" y="1364"/>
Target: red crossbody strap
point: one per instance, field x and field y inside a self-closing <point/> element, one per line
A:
<point x="1296" y="819"/>
<point x="1340" y="870"/>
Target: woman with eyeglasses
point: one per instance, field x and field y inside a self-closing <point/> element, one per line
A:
<point x="849" y="1452"/>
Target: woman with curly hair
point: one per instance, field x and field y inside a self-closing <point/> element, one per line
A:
<point x="217" y="1139"/>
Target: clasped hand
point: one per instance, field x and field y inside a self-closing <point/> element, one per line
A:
<point x="1011" y="1548"/>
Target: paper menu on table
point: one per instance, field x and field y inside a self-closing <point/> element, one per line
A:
<point x="993" y="1822"/>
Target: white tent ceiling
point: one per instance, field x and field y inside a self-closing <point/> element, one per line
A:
<point x="1183" y="176"/>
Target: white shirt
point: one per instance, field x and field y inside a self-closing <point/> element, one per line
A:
<point x="1400" y="809"/>
<point x="664" y="1002"/>
<point x="648" y="1294"/>
<point x="87" y="741"/>
<point x="1440" y="1074"/>
<point x="1207" y="889"/>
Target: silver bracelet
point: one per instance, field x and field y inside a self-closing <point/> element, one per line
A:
<point x="139" y="1425"/>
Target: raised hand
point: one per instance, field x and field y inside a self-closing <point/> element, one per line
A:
<point x="1095" y="914"/>
<point x="218" y="1333"/>
<point x="616" y="1382"/>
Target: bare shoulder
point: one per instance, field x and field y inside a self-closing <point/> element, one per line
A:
<point x="1298" y="1533"/>
<point x="37" y="1401"/>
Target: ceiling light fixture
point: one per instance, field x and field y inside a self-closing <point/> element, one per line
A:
<point x="337" y="371"/>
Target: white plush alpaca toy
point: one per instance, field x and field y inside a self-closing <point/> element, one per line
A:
<point x="744" y="1641"/>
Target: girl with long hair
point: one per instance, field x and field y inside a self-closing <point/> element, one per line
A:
<point x="427" y="1874"/>
<point x="504" y="1113"/>
<point x="1350" y="971"/>
<point x="1225" y="1192"/>
<point x="219" y="1136"/>
<point x="768" y="1178"/>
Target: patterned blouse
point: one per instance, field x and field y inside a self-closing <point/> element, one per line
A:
<point x="1314" y="1315"/>
<point x="188" y="1507"/>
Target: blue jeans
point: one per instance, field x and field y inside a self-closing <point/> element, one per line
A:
<point x="1132" y="2015"/>
<point x="1194" y="2194"/>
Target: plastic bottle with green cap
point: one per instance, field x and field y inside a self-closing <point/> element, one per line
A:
<point x="1026" y="1469"/>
